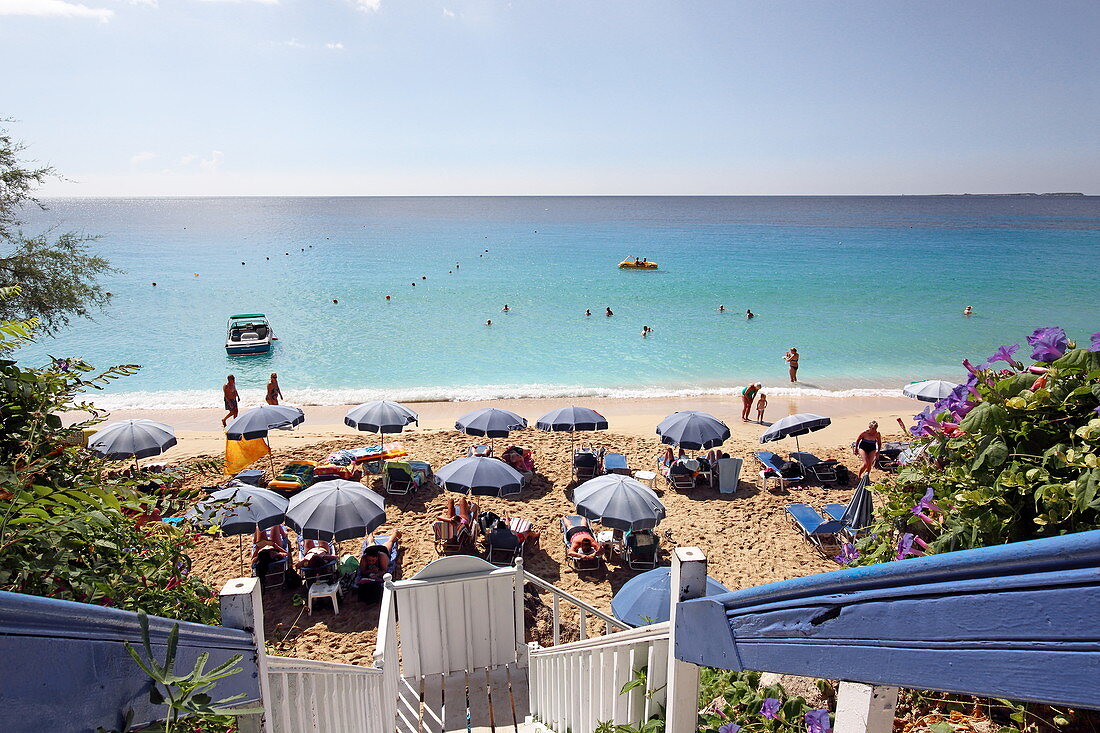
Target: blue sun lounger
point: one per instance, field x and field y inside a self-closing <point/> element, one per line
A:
<point x="615" y="463"/>
<point x="818" y="531"/>
<point x="773" y="464"/>
<point x="370" y="589"/>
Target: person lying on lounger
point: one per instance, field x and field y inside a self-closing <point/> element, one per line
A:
<point x="583" y="545"/>
<point x="375" y="561"/>
<point x="269" y="547"/>
<point x="460" y="516"/>
<point x="318" y="554"/>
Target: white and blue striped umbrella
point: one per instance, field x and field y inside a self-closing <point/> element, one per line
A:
<point x="490" y="422"/>
<point x="381" y="416"/>
<point x="258" y="421"/>
<point x="693" y="430"/>
<point x="930" y="390"/>
<point x="132" y="439"/>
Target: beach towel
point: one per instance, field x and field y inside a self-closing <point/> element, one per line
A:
<point x="240" y="454"/>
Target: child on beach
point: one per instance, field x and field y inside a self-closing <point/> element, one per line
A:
<point x="761" y="404"/>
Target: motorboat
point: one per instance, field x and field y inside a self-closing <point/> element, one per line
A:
<point x="248" y="333"/>
<point x="633" y="263"/>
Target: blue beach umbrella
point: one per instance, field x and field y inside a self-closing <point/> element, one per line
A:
<point x="336" y="510"/>
<point x="132" y="439"/>
<point x="240" y="509"/>
<point x="693" y="430"/>
<point x="793" y="426"/>
<point x="930" y="390"/>
<point x="619" y="502"/>
<point x="479" y="475"/>
<point x="258" y="421"/>
<point x="380" y="416"/>
<point x="490" y="422"/>
<point x="644" y="598"/>
<point x="571" y="419"/>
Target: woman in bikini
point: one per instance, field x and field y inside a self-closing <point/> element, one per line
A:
<point x="748" y="394"/>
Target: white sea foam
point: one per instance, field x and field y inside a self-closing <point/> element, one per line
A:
<point x="186" y="399"/>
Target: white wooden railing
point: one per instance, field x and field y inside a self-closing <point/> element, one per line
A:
<point x="584" y="610"/>
<point x="577" y="685"/>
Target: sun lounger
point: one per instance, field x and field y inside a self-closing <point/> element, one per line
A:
<point x="370" y="589"/>
<point x="729" y="474"/>
<point x="773" y="469"/>
<point x="587" y="464"/>
<point x="504" y="545"/>
<point x="327" y="574"/>
<point x="818" y="531"/>
<point x="571" y="526"/>
<point x="640" y="549"/>
<point x="616" y="463"/>
<point x="275" y="577"/>
<point x="401" y="477"/>
<point x="823" y="471"/>
<point x="449" y="538"/>
<point x="479" y="451"/>
<point x="681" y="476"/>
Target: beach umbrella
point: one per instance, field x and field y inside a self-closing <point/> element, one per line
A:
<point x="380" y="416"/>
<point x="258" y="421"/>
<point x="693" y="430"/>
<point x="931" y="390"/>
<point x="490" y="422"/>
<point x="644" y="599"/>
<point x="479" y="475"/>
<point x="132" y="439"/>
<point x="793" y="426"/>
<point x="858" y="514"/>
<point x="571" y="420"/>
<point x="335" y="510"/>
<point x="619" y="501"/>
<point x="239" y="510"/>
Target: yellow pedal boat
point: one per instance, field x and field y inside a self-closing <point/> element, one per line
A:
<point x="633" y="263"/>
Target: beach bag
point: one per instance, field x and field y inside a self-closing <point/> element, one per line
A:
<point x="292" y="580"/>
<point x="790" y="469"/>
<point x="842" y="474"/>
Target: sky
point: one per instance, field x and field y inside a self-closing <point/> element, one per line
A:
<point x="545" y="97"/>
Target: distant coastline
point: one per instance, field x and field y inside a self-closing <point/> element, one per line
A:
<point x="1054" y="194"/>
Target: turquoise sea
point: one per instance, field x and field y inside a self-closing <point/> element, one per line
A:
<point x="870" y="290"/>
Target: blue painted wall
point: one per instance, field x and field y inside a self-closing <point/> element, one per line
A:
<point x="63" y="666"/>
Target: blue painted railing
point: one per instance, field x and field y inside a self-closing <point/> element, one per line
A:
<point x="1018" y="621"/>
<point x="63" y="666"/>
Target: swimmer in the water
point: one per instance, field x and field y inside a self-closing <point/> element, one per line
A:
<point x="646" y="330"/>
<point x="587" y="312"/>
<point x="609" y="313"/>
<point x="721" y="309"/>
<point x="335" y="301"/>
<point x="505" y="309"/>
<point x="749" y="314"/>
<point x="967" y="311"/>
<point x="489" y="322"/>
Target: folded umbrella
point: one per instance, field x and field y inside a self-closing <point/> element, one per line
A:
<point x="619" y="501"/>
<point x="336" y="510"/>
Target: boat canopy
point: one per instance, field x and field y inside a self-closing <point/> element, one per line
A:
<point x="249" y="315"/>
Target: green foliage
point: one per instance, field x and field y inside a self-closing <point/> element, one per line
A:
<point x="1023" y="463"/>
<point x="58" y="279"/>
<point x="185" y="695"/>
<point x="727" y="697"/>
<point x="67" y="532"/>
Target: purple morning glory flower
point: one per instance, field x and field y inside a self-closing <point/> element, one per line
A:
<point x="62" y="365"/>
<point x="905" y="545"/>
<point x="848" y="554"/>
<point x="770" y="708"/>
<point x="1095" y="342"/>
<point x="817" y="721"/>
<point x="1048" y="344"/>
<point x="970" y="368"/>
<point x="1004" y="354"/>
<point x="729" y="728"/>
<point x="926" y="422"/>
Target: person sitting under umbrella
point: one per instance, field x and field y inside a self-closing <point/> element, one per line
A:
<point x="318" y="554"/>
<point x="462" y="516"/>
<point x="269" y="547"/>
<point x="375" y="560"/>
<point x="519" y="459"/>
<point x="582" y="545"/>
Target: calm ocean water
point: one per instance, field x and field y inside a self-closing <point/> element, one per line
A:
<point x="870" y="290"/>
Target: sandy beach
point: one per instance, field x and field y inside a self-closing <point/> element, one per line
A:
<point x="746" y="535"/>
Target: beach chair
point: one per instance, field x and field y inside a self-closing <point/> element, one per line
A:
<point x="398" y="478"/>
<point x="504" y="545"/>
<point x="369" y="590"/>
<point x="329" y="573"/>
<point x="479" y="451"/>
<point x="275" y="577"/>
<point x="615" y="463"/>
<point x="823" y="471"/>
<point x="486" y="521"/>
<point x="729" y="474"/>
<point x="681" y="476"/>
<point x="640" y="549"/>
<point x="449" y="538"/>
<point x="587" y="463"/>
<point x="820" y="532"/>
<point x="773" y="468"/>
<point x="571" y="526"/>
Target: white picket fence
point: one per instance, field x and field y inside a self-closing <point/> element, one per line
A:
<point x="308" y="695"/>
<point x="577" y="685"/>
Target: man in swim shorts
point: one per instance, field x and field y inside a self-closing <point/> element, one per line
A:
<point x="792" y="361"/>
<point x="229" y="393"/>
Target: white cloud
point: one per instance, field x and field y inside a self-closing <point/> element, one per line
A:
<point x="188" y="159"/>
<point x="448" y="13"/>
<point x="368" y="6"/>
<point x="148" y="3"/>
<point x="294" y="43"/>
<point x="336" y="46"/>
<point x="264" y="2"/>
<point x="140" y="158"/>
<point x="212" y="163"/>
<point x="54" y="8"/>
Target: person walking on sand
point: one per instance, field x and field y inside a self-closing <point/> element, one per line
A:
<point x="748" y="394"/>
<point x="792" y="361"/>
<point x="274" y="394"/>
<point x="868" y="444"/>
<point x="229" y="393"/>
<point x="761" y="405"/>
